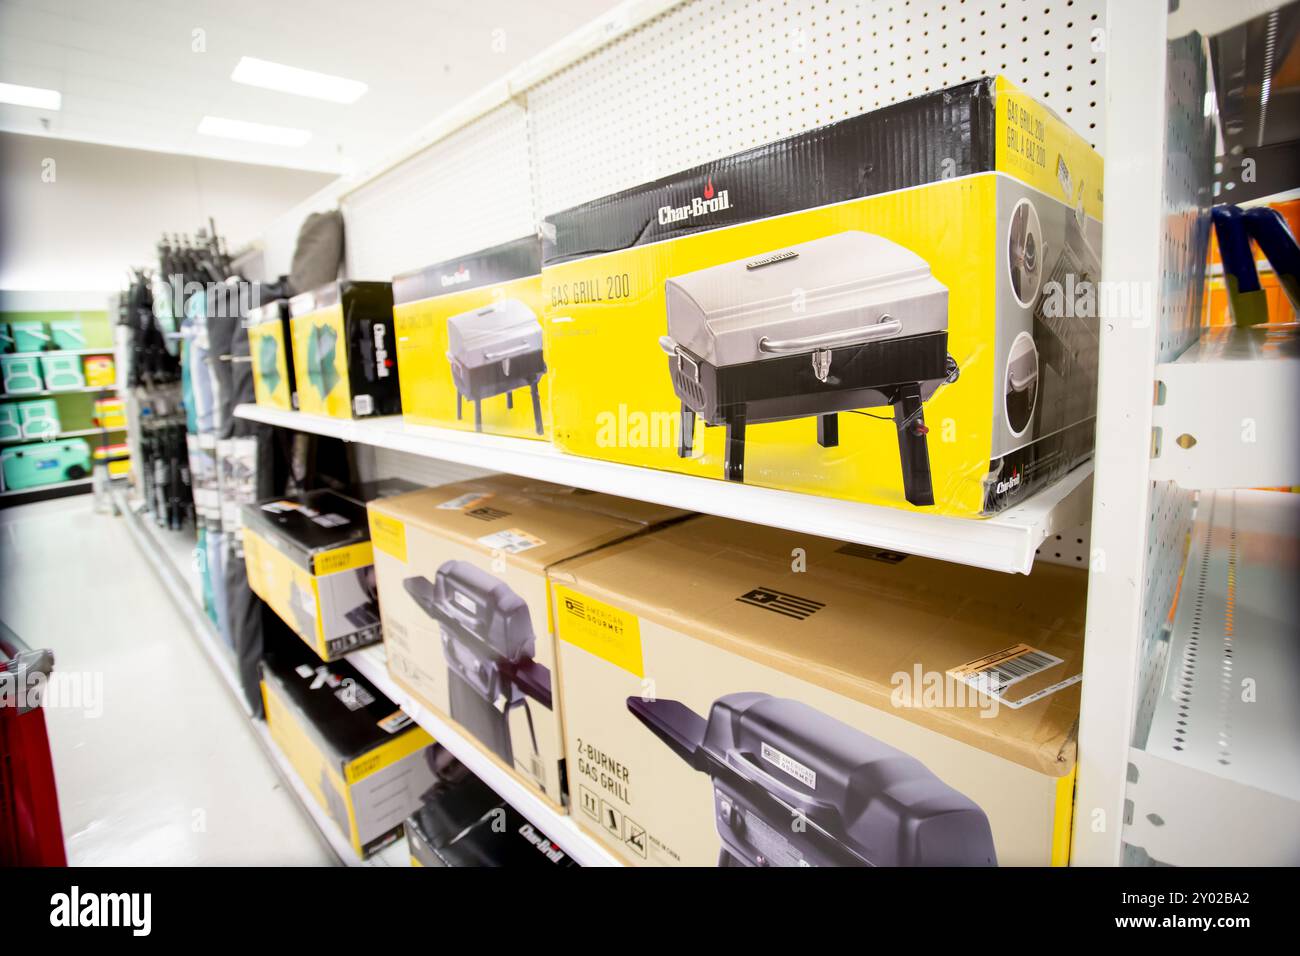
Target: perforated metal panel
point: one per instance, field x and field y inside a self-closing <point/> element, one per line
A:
<point x="465" y="192"/>
<point x="1069" y="548"/>
<point x="713" y="77"/>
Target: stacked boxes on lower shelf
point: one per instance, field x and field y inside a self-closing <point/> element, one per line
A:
<point x="461" y="574"/>
<point x="749" y="696"/>
<point x="364" y="761"/>
<point x="309" y="557"/>
<point x="697" y="691"/>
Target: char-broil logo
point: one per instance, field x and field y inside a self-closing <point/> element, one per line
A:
<point x="1007" y="484"/>
<point x="129" y="910"/>
<point x="710" y="201"/>
<point x="488" y="514"/>
<point x="772" y="259"/>
<point x="459" y="277"/>
<point x="541" y="843"/>
<point x="383" y="363"/>
<point x="790" y="605"/>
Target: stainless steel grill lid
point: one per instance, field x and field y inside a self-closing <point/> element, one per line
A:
<point x="846" y="289"/>
<point x="492" y="333"/>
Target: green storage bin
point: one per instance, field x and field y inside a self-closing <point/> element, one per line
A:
<point x="11" y="428"/>
<point x="67" y="334"/>
<point x="63" y="371"/>
<point x="39" y="419"/>
<point x="45" y="463"/>
<point x="22" y="374"/>
<point x="30" y="336"/>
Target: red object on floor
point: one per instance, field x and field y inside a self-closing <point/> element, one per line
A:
<point x="31" y="833"/>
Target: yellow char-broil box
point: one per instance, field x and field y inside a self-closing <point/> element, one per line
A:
<point x="270" y="346"/>
<point x="309" y="558"/>
<point x="897" y="309"/>
<point x="363" y="760"/>
<point x="469" y="336"/>
<point x="345" y="360"/>
<point x="739" y="695"/>
<point x="461" y="571"/>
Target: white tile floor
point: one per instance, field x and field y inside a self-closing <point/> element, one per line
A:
<point x="169" y="772"/>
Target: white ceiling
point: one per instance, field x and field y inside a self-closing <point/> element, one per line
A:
<point x="130" y="75"/>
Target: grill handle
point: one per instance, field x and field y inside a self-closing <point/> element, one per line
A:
<point x="667" y="343"/>
<point x="506" y="353"/>
<point x="886" y="328"/>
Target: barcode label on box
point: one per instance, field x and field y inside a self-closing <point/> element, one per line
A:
<point x="1000" y="670"/>
<point x="511" y="541"/>
<point x="363" y="405"/>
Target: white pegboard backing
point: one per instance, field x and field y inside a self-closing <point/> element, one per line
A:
<point x="1070" y="548"/>
<point x="712" y="77"/>
<point x="465" y="192"/>
<point x="375" y="463"/>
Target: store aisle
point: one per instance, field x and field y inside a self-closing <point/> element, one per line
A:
<point x="155" y="763"/>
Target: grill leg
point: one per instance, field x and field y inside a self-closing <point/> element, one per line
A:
<point x="459" y="398"/>
<point x="478" y="415"/>
<point x="510" y="399"/>
<point x="734" y="468"/>
<point x="686" y="439"/>
<point x="913" y="450"/>
<point x="828" y="430"/>
<point x="537" y="409"/>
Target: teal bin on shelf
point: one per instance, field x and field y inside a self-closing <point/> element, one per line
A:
<point x="30" y="335"/>
<point x="22" y="374"/>
<point x="39" y="419"/>
<point x="6" y="338"/>
<point x="67" y="334"/>
<point x="62" y="372"/>
<point x="11" y="428"/>
<point x="45" y="463"/>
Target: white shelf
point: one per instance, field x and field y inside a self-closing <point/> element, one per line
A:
<point x="77" y="433"/>
<point x="559" y="827"/>
<point x="105" y="350"/>
<point x="1233" y="398"/>
<point x="171" y="555"/>
<point x="1218" y="776"/>
<point x="46" y="392"/>
<point x="1005" y="542"/>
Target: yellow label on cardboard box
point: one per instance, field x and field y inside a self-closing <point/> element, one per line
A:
<point x="599" y="628"/>
<point x="388" y="535"/>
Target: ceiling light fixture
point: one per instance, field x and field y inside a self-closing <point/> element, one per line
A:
<point x="290" y="79"/>
<point x="32" y="96"/>
<point x="253" y="132"/>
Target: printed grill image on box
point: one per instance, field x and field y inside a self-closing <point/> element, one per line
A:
<point x="469" y="336"/>
<point x="461" y="573"/>
<point x="345" y="363"/>
<point x="363" y="759"/>
<point x="912" y="326"/>
<point x="269" y="346"/>
<point x="309" y="558"/>
<point x="813" y="703"/>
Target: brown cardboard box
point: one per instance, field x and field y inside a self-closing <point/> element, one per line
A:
<point x="739" y="694"/>
<point x="463" y="595"/>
